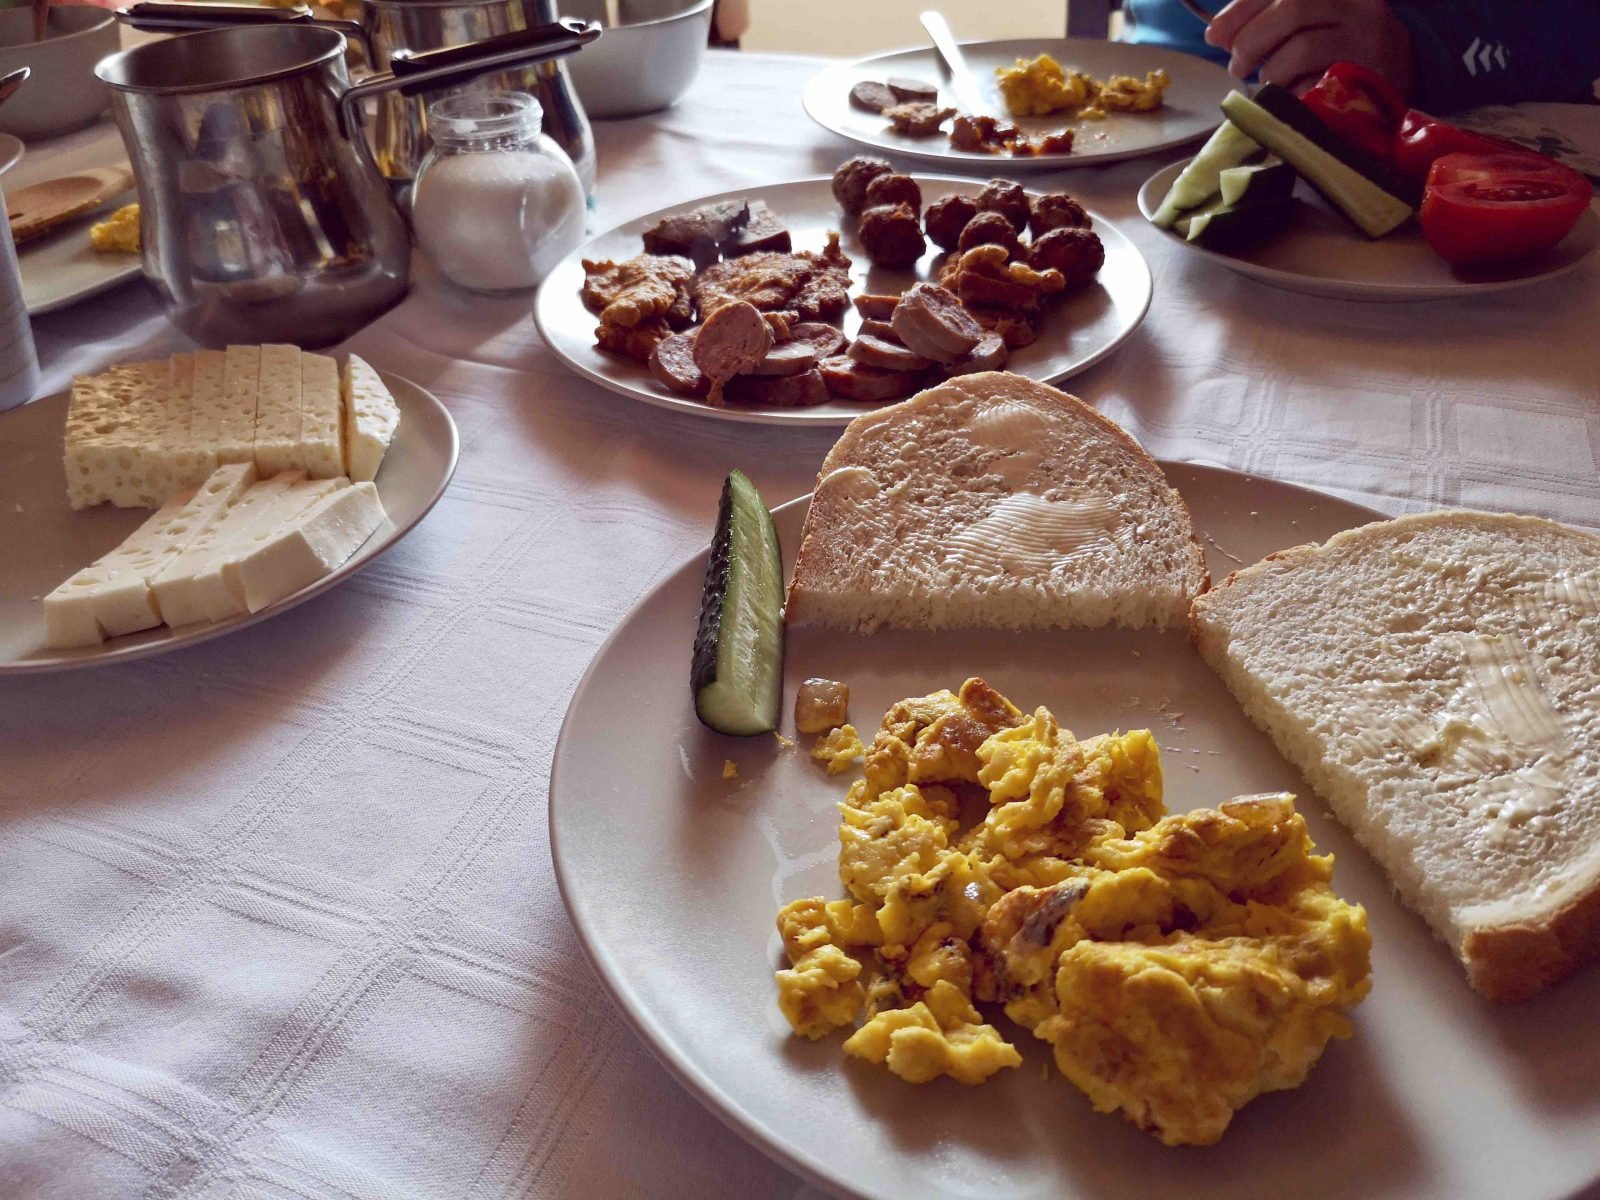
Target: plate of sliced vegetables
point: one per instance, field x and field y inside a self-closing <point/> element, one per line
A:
<point x="1401" y="208"/>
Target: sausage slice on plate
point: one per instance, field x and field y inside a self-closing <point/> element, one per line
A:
<point x="852" y="380"/>
<point x="672" y="362"/>
<point x="932" y="321"/>
<point x="805" y="390"/>
<point x="827" y="339"/>
<point x="891" y="356"/>
<point x="731" y="342"/>
<point x="988" y="355"/>
<point x="787" y="358"/>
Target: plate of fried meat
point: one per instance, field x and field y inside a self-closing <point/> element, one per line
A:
<point x="806" y="302"/>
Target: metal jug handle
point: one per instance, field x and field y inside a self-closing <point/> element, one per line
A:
<point x="413" y="73"/>
<point x="177" y="16"/>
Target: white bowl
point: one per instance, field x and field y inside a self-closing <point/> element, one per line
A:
<point x="62" y="94"/>
<point x="643" y="63"/>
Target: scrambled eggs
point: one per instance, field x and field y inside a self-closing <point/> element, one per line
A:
<point x="1042" y="86"/>
<point x="1177" y="966"/>
<point x="838" y="749"/>
<point x="118" y="233"/>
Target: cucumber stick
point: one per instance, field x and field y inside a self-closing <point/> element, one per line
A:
<point x="1227" y="147"/>
<point x="1281" y="125"/>
<point x="737" y="673"/>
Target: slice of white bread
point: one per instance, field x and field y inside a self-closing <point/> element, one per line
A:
<point x="992" y="501"/>
<point x="1437" y="680"/>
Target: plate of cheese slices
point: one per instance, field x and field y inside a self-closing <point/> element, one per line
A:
<point x="167" y="502"/>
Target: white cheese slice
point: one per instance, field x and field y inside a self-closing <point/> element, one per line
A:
<point x="277" y="445"/>
<point x="179" y="590"/>
<point x="281" y="561"/>
<point x="205" y="426"/>
<point x="112" y="595"/>
<point x="370" y="419"/>
<point x="241" y="382"/>
<point x="113" y="440"/>
<point x="192" y="451"/>
<point x="321" y="429"/>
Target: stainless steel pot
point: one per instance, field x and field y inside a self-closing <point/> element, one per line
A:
<point x="263" y="215"/>
<point x="390" y="27"/>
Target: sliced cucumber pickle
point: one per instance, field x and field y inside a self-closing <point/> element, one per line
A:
<point x="737" y="675"/>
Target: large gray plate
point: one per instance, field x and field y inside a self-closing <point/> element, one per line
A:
<point x="1321" y="254"/>
<point x="1191" y="108"/>
<point x="672" y="878"/>
<point x="1074" y="333"/>
<point x="45" y="540"/>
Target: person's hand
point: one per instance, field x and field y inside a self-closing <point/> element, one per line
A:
<point x="1292" y="42"/>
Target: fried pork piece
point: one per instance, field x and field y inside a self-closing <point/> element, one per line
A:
<point x="918" y="118"/>
<point x="814" y="286"/>
<point x="984" y="277"/>
<point x="647" y="285"/>
<point x="633" y="341"/>
<point x="698" y="233"/>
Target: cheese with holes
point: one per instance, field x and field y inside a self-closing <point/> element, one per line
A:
<point x="280" y="561"/>
<point x="371" y="418"/>
<point x="321" y="423"/>
<point x="277" y="446"/>
<point x="192" y="454"/>
<point x="112" y="596"/>
<point x="110" y="421"/>
<point x="241" y="385"/>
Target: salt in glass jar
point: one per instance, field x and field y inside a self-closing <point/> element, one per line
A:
<point x="496" y="204"/>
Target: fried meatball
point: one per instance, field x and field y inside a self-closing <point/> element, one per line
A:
<point x="851" y="179"/>
<point x="990" y="229"/>
<point x="1057" y="211"/>
<point x="945" y="219"/>
<point x="893" y="189"/>
<point x="1076" y="253"/>
<point x="891" y="235"/>
<point x="1008" y="199"/>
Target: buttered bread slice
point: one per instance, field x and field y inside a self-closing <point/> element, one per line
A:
<point x="1437" y="680"/>
<point x="993" y="501"/>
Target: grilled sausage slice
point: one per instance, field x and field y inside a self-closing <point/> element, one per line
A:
<point x="732" y="341"/>
<point x="672" y="362"/>
<point x="931" y="321"/>
<point x="788" y="358"/>
<point x="852" y="380"/>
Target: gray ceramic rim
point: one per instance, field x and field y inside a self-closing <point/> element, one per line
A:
<point x="109" y="16"/>
<point x="106" y="68"/>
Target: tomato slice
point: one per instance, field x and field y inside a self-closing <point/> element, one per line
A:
<point x="1423" y="139"/>
<point x="1491" y="208"/>
<point x="1359" y="105"/>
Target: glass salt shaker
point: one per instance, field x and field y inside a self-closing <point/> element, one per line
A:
<point x="496" y="204"/>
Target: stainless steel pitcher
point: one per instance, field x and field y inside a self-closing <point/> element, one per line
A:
<point x="263" y="215"/>
<point x="389" y="27"/>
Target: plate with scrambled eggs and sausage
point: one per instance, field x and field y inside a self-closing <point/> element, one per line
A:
<point x="1047" y="103"/>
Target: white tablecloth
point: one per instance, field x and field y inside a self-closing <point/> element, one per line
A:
<point x="276" y="913"/>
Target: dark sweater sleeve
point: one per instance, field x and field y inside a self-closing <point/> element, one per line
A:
<point x="1470" y="52"/>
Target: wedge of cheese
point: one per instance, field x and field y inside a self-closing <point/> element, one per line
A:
<point x="188" y="587"/>
<point x="112" y="596"/>
<point x="370" y="419"/>
<point x="280" y="561"/>
<point x="277" y="445"/>
<point x="321" y="423"/>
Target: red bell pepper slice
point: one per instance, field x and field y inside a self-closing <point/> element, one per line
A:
<point x="1359" y="105"/>
<point x="1423" y="139"/>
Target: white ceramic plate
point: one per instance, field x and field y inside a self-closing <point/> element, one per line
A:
<point x="11" y="151"/>
<point x="1074" y="333"/>
<point x="1321" y="254"/>
<point x="61" y="268"/>
<point x="1191" y="107"/>
<point x="45" y="540"/>
<point x="673" y="876"/>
